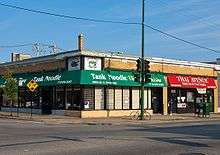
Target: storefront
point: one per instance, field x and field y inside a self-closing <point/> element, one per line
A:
<point x="87" y="90"/>
<point x="185" y="92"/>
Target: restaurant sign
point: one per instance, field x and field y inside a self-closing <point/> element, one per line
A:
<point x="86" y="77"/>
<point x="47" y="78"/>
<point x="119" y="78"/>
<point x="190" y="82"/>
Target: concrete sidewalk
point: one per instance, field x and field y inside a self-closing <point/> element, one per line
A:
<point x="156" y="118"/>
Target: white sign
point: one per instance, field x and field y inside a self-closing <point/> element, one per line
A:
<point x="201" y="90"/>
<point x="92" y="63"/>
<point x="86" y="104"/>
<point x="181" y="105"/>
<point x="74" y="63"/>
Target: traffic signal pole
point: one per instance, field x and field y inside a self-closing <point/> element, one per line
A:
<point x="142" y="63"/>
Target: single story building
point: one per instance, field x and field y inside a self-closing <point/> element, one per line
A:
<point x="89" y="83"/>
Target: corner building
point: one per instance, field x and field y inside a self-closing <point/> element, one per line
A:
<point x="88" y="83"/>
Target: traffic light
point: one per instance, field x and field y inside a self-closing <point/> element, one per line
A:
<point x="147" y="77"/>
<point x="137" y="77"/>
<point x="147" y="66"/>
<point x="147" y="74"/>
<point x="138" y="65"/>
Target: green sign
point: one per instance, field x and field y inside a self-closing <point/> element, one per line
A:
<point x="47" y="78"/>
<point x="86" y="77"/>
<point x="118" y="78"/>
<point x="108" y="78"/>
<point x="2" y="82"/>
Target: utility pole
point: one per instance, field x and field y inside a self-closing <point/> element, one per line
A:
<point x="142" y="63"/>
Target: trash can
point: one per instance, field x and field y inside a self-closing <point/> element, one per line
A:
<point x="206" y="109"/>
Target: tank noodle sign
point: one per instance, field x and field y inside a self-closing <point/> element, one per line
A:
<point x="87" y="77"/>
<point x="191" y="82"/>
<point x="119" y="78"/>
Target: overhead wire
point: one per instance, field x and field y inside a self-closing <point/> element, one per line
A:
<point x="180" y="39"/>
<point x="201" y="19"/>
<point x="110" y="21"/>
<point x="17" y="45"/>
<point x="67" y="16"/>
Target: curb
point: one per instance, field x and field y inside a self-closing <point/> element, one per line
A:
<point x="117" y="122"/>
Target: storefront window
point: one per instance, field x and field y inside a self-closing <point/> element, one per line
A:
<point x="118" y="98"/>
<point x="88" y="98"/>
<point x="60" y="97"/>
<point x="110" y="101"/>
<point x="135" y="98"/>
<point x="99" y="98"/>
<point x="126" y="98"/>
<point x="69" y="97"/>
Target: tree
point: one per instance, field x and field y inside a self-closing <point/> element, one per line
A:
<point x="11" y="87"/>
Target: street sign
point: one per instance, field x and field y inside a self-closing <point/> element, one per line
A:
<point x="32" y="85"/>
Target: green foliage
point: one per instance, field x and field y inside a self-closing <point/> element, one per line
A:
<point x="11" y="86"/>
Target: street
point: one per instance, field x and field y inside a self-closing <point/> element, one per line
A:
<point x="26" y="137"/>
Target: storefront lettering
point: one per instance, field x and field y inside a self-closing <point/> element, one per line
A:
<point x="156" y="80"/>
<point x="183" y="78"/>
<point x="98" y="77"/>
<point x="38" y="79"/>
<point x="199" y="80"/>
<point x="191" y="82"/>
<point x="53" y="78"/>
<point x="117" y="78"/>
<point x="21" y="81"/>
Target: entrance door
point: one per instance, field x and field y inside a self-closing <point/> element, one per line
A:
<point x="76" y="99"/>
<point x="47" y="100"/>
<point x="157" y="100"/>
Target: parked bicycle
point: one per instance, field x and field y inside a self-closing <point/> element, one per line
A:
<point x="135" y="115"/>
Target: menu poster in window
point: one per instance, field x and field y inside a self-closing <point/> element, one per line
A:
<point x="190" y="97"/>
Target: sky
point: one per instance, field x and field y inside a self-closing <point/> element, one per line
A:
<point x="197" y="21"/>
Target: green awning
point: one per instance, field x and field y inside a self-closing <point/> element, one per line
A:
<point x="86" y="77"/>
<point x="2" y="81"/>
<point x="119" y="78"/>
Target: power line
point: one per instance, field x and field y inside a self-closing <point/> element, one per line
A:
<point x="14" y="46"/>
<point x="183" y="40"/>
<point x="109" y="21"/>
<point x="31" y="44"/>
<point x="67" y="16"/>
<point x="201" y="19"/>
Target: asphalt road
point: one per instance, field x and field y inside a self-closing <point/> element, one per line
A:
<point x="27" y="138"/>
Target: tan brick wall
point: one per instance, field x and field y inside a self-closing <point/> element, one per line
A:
<point x="216" y="97"/>
<point x="38" y="67"/>
<point x="180" y="69"/>
<point x="165" y="68"/>
<point x="165" y="101"/>
<point x="120" y="64"/>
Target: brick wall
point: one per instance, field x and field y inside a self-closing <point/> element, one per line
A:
<point x="35" y="67"/>
<point x="159" y="67"/>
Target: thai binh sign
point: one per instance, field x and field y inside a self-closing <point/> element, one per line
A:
<point x="190" y="82"/>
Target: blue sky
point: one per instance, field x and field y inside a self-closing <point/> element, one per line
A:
<point x="193" y="20"/>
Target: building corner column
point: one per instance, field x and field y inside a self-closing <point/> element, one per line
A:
<point x="216" y="98"/>
<point x="165" y="101"/>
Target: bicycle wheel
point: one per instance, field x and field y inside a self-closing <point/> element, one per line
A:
<point x="134" y="115"/>
<point x="147" y="115"/>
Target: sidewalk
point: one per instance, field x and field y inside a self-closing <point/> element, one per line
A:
<point x="156" y="118"/>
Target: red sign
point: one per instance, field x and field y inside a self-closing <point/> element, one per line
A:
<point x="190" y="82"/>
